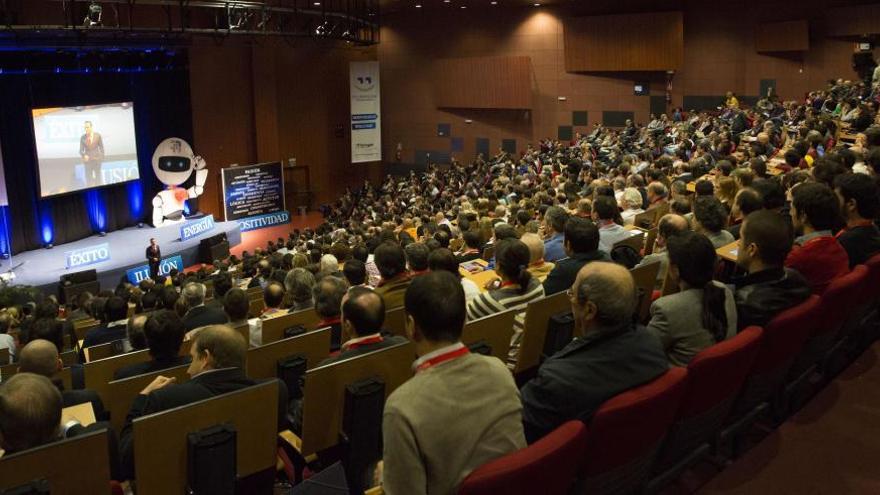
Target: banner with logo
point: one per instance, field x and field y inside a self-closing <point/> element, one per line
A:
<point x="252" y="190"/>
<point x="263" y="221"/>
<point x="196" y="228"/>
<point x="87" y="255"/>
<point x="366" y="116"/>
<point x="136" y="275"/>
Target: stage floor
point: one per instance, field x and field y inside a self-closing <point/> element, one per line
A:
<point x="43" y="267"/>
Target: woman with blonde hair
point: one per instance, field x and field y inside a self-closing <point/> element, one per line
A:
<point x="726" y="192"/>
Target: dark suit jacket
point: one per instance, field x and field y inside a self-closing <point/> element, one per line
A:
<point x="387" y="341"/>
<point x="566" y="270"/>
<point x="104" y="334"/>
<point x="574" y="382"/>
<point x="204" y="315"/>
<point x="150" y="367"/>
<point x="95" y="151"/>
<point x="203" y="386"/>
<point x="148" y="254"/>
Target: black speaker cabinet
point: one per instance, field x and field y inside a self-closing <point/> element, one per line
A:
<point x="213" y="248"/>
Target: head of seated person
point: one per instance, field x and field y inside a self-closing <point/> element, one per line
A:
<point x="581" y="236"/>
<point x="273" y="295"/>
<point x="363" y="313"/>
<point x="603" y="297"/>
<point x="328" y="293"/>
<point x="217" y="347"/>
<point x="236" y="305"/>
<point x="134" y="328"/>
<point x="390" y="260"/>
<point x="765" y="241"/>
<point x="194" y="294"/>
<point x="30" y="412"/>
<point x="47" y="329"/>
<point x="41" y="358"/>
<point x="436" y="311"/>
<point x="709" y="214"/>
<point x="298" y="284"/>
<point x="355" y="271"/>
<point x="164" y="332"/>
<point x="417" y="256"/>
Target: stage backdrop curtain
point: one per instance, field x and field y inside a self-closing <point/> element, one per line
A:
<point x="162" y="109"/>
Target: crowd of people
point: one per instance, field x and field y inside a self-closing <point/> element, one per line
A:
<point x="802" y="206"/>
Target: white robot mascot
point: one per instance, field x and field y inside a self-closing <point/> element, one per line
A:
<point x="173" y="163"/>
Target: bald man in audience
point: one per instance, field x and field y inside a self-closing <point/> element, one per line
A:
<point x="30" y="412"/>
<point x="40" y="357"/>
<point x="613" y="356"/>
<point x="538" y="267"/>
<point x="217" y="368"/>
<point x="668" y="226"/>
<point x="363" y="313"/>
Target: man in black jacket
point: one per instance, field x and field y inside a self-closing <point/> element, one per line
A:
<point x="860" y="203"/>
<point x="613" y="355"/>
<point x="113" y="327"/>
<point x="363" y="313"/>
<point x="200" y="315"/>
<point x="217" y="367"/>
<point x="769" y="288"/>
<point x="581" y="245"/>
<point x="154" y="257"/>
<point x="164" y="333"/>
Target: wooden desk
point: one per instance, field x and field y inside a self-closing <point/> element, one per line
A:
<point x="81" y="413"/>
<point x="72" y="467"/>
<point x="479" y="278"/>
<point x="729" y="252"/>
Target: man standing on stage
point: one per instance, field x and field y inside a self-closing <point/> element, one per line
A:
<point x="154" y="255"/>
<point x="91" y="149"/>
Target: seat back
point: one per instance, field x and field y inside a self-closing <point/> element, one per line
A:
<point x="103" y="351"/>
<point x="843" y="295"/>
<point x="262" y="361"/>
<point x="496" y="330"/>
<point x="274" y="327"/>
<point x="546" y="466"/>
<point x="71" y="467"/>
<point x="121" y="393"/>
<point x="99" y="373"/>
<point x="645" y="278"/>
<point x="715" y="377"/>
<point x="395" y="321"/>
<point x="625" y="434"/>
<point x="537" y="318"/>
<point x="872" y="286"/>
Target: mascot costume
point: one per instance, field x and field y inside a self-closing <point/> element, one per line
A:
<point x="173" y="164"/>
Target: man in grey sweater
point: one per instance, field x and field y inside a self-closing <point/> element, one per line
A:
<point x="458" y="412"/>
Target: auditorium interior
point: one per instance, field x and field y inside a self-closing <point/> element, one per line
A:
<point x="472" y="247"/>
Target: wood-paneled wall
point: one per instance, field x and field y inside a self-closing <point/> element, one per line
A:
<point x="634" y="42"/>
<point x="853" y="21"/>
<point x="484" y="82"/>
<point x="788" y="36"/>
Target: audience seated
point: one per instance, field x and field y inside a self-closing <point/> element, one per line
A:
<point x="363" y="314"/>
<point x="417" y="258"/>
<point x="236" y="307"/>
<point x="30" y="412"/>
<point x="859" y="197"/>
<point x="605" y="212"/>
<point x="7" y="341"/>
<point x="554" y="227"/>
<point x="443" y="423"/>
<point x="669" y="225"/>
<point x="198" y="314"/>
<point x="112" y="325"/>
<point x="472" y="247"/>
<point x="582" y="241"/>
<point x="745" y="202"/>
<point x="164" y="332"/>
<point x="299" y="283"/>
<point x="391" y="263"/>
<point x="816" y="253"/>
<point x="613" y="355"/>
<point x="768" y="288"/>
<point x="442" y="259"/>
<point x="217" y="367"/>
<point x="328" y="294"/>
<point x="41" y="357"/>
<point x="710" y="219"/>
<point x="703" y="312"/>
<point x="515" y="289"/>
<point x="538" y="266"/>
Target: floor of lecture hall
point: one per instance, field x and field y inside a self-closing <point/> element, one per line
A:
<point x="831" y="446"/>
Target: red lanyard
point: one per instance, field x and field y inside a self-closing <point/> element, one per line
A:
<point x="374" y="339"/>
<point x="506" y="284"/>
<point x="328" y="322"/>
<point x="442" y="358"/>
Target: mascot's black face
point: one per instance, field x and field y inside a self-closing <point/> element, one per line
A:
<point x="174" y="164"/>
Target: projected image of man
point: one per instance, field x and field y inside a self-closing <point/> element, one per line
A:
<point x="91" y="150"/>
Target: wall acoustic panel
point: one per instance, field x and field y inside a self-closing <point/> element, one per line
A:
<point x="632" y="42"/>
<point x="615" y="118"/>
<point x="788" y="36"/>
<point x="482" y="146"/>
<point x="483" y="82"/>
<point x="853" y="21"/>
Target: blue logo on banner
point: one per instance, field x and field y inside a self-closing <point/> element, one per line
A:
<point x="263" y="221"/>
<point x="136" y="275"/>
<point x="87" y="256"/>
<point x="196" y="228"/>
<point x="364" y="116"/>
<point x="368" y="125"/>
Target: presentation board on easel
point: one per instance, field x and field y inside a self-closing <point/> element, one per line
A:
<point x="253" y="195"/>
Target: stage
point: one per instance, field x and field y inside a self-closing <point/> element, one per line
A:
<point x="43" y="267"/>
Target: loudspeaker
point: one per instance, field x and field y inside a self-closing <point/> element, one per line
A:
<point x="863" y="63"/>
<point x="80" y="277"/>
<point x="71" y="284"/>
<point x="213" y="248"/>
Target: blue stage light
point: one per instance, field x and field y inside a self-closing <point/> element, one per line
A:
<point x="186" y="208"/>
<point x="135" y="199"/>
<point x="97" y="210"/>
<point x="4" y="233"/>
<point x="47" y="228"/>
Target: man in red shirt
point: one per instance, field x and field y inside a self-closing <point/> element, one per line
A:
<point x="815" y="214"/>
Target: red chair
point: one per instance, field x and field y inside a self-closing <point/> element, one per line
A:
<point x="870" y="328"/>
<point x="782" y="340"/>
<point x="715" y="377"/>
<point x="625" y="435"/>
<point x="547" y="466"/>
